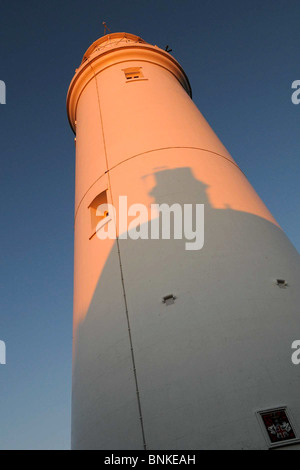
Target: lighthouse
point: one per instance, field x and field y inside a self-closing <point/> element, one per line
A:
<point x="173" y="348"/>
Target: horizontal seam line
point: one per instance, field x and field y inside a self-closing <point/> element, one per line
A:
<point x="144" y="153"/>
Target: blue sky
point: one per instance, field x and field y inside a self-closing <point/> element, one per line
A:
<point x="241" y="58"/>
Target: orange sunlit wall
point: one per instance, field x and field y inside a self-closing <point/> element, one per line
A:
<point x="131" y="109"/>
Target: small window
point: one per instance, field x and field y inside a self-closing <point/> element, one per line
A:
<point x="169" y="299"/>
<point x="98" y="204"/>
<point x="281" y="283"/>
<point x="133" y="73"/>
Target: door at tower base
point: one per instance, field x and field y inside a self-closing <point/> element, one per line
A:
<point x="173" y="348"/>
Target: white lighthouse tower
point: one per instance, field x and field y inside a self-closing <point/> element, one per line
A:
<point x="173" y="348"/>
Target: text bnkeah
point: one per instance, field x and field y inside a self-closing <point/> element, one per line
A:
<point x="173" y="459"/>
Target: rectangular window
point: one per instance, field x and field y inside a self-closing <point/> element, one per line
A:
<point x="133" y="73"/>
<point x="98" y="211"/>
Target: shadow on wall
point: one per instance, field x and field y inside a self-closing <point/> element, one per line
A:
<point x="219" y="289"/>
